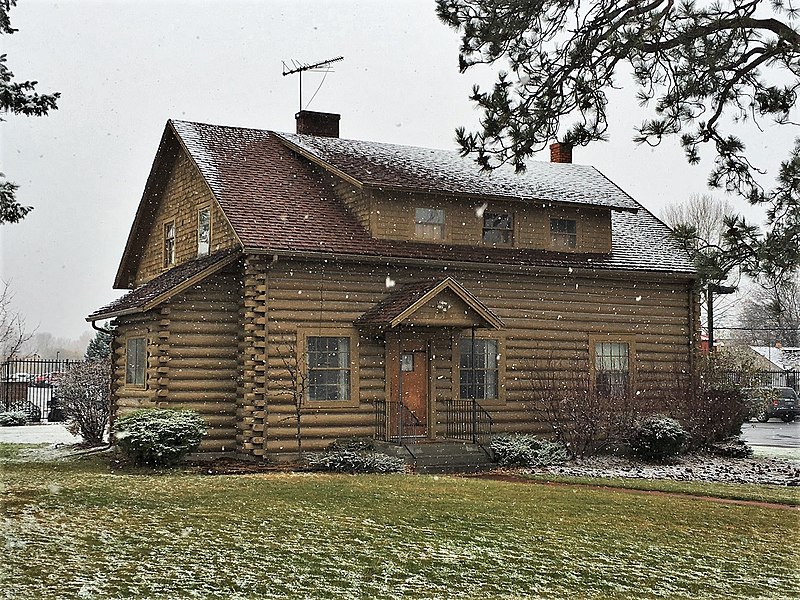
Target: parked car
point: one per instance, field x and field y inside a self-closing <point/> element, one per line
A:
<point x="48" y="379"/>
<point x="766" y="403"/>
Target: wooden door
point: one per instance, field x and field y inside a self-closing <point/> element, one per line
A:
<point x="414" y="373"/>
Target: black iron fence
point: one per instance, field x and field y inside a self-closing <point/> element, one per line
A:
<point x="766" y="379"/>
<point x="30" y="386"/>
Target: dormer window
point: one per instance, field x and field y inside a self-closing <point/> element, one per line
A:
<point x="169" y="244"/>
<point x="203" y="231"/>
<point x="498" y="228"/>
<point x="429" y="223"/>
<point x="563" y="233"/>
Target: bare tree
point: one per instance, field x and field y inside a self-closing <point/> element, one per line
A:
<point x="13" y="333"/>
<point x="772" y="314"/>
<point x="85" y="394"/>
<point x="704" y="212"/>
<point x="298" y="383"/>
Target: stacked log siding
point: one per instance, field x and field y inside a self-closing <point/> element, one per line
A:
<point x="549" y="319"/>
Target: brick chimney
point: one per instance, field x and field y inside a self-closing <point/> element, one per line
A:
<point x="561" y="152"/>
<point x="317" y="123"/>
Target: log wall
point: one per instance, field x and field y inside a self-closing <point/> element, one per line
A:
<point x="550" y="321"/>
<point x="193" y="346"/>
<point x="185" y="193"/>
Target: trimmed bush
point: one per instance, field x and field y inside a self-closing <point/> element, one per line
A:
<point x="520" y="450"/>
<point x="349" y="461"/>
<point x="159" y="437"/>
<point x="13" y="419"/>
<point x="352" y="444"/>
<point x="658" y="438"/>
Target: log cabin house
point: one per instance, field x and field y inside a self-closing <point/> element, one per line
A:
<point x="383" y="291"/>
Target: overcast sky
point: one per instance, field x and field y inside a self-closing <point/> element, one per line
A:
<point x="124" y="68"/>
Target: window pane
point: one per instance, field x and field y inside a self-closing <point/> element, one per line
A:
<point x="169" y="244"/>
<point x="612" y="365"/>
<point x="429" y="223"/>
<point x="203" y="232"/>
<point x="497" y="228"/>
<point x="563" y="233"/>
<point x="136" y="356"/>
<point x="485" y="371"/>
<point x="328" y="360"/>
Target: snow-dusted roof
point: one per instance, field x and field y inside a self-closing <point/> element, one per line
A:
<point x="430" y="170"/>
<point x="276" y="202"/>
<point x="786" y="358"/>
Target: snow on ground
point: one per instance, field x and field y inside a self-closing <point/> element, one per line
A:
<point x="759" y="470"/>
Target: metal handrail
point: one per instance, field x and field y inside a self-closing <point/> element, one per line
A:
<point x="467" y="420"/>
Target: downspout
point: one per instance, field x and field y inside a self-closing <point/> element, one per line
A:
<point x="473" y="392"/>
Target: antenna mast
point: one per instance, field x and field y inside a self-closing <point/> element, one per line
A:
<point x="298" y="67"/>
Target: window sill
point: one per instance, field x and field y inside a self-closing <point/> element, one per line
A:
<point x="316" y="404"/>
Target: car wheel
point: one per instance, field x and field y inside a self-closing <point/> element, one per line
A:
<point x="788" y="418"/>
<point x="762" y="417"/>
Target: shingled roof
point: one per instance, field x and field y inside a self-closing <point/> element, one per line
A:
<point x="428" y="170"/>
<point x="166" y="285"/>
<point x="277" y="202"/>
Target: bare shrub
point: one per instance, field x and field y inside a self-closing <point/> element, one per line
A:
<point x="85" y="393"/>
<point x="584" y="420"/>
<point x="710" y="405"/>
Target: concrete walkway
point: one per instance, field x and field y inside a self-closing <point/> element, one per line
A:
<point x="48" y="433"/>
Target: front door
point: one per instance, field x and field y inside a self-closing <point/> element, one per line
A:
<point x="414" y="386"/>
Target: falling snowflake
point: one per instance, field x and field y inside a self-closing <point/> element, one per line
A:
<point x="638" y="298"/>
<point x="480" y="210"/>
<point x="389" y="282"/>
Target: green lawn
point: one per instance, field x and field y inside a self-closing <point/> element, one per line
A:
<point x="76" y="530"/>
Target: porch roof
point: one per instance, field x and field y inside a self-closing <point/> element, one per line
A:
<point x="166" y="285"/>
<point x="400" y="305"/>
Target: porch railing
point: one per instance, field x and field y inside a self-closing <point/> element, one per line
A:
<point x="396" y="423"/>
<point x="468" y="421"/>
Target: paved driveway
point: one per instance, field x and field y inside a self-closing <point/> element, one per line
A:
<point x="773" y="438"/>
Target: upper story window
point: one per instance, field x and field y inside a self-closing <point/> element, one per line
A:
<point x="169" y="244"/>
<point x="563" y="233"/>
<point x="203" y="231"/>
<point x="498" y="228"/>
<point x="328" y="360"/>
<point x="612" y="368"/>
<point x="135" y="359"/>
<point x="429" y="223"/>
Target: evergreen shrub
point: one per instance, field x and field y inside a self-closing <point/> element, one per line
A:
<point x="658" y="438"/>
<point x="159" y="437"/>
<point x="522" y="450"/>
<point x="13" y="418"/>
<point x="352" y="461"/>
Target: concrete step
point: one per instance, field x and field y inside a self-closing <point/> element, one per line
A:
<point x="440" y="457"/>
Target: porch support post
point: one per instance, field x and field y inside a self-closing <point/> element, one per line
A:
<point x="473" y="392"/>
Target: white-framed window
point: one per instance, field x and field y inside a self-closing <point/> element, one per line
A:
<point x="612" y="368"/>
<point x="498" y="228"/>
<point x="328" y="364"/>
<point x="135" y="361"/>
<point x="429" y="223"/>
<point x="478" y="373"/>
<point x="203" y="231"/>
<point x="563" y="233"/>
<point x="169" y="244"/>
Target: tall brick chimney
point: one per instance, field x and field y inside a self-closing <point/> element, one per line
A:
<point x="318" y="123"/>
<point x="561" y="152"/>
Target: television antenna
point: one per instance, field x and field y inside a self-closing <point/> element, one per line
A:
<point x="298" y="67"/>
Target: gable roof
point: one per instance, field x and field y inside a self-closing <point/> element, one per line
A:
<point x="427" y="170"/>
<point x="277" y="202"/>
<point x="401" y="304"/>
